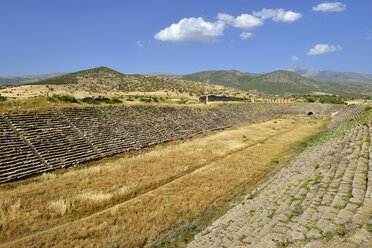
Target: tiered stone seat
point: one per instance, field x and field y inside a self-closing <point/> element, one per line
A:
<point x="171" y="116"/>
<point x="100" y="130"/>
<point x="348" y="114"/>
<point x="187" y="120"/>
<point x="17" y="159"/>
<point x="323" y="199"/>
<point x="71" y="136"/>
<point x="53" y="138"/>
<point x="154" y="125"/>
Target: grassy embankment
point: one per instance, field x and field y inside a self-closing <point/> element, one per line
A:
<point x="42" y="104"/>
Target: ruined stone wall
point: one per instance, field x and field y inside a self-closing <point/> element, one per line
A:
<point x="35" y="143"/>
<point x="214" y="98"/>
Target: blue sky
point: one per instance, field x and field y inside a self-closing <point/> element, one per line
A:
<point x="138" y="36"/>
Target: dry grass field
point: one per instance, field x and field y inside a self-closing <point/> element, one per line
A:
<point x="27" y="91"/>
<point x="40" y="104"/>
<point x="132" y="199"/>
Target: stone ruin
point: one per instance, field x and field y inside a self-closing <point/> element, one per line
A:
<point x="214" y="98"/>
<point x="39" y="142"/>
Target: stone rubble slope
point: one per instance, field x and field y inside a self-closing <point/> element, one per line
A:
<point x="322" y="199"/>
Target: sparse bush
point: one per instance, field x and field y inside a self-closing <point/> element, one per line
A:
<point x="2" y="98"/>
<point x="147" y="100"/>
<point x="182" y="101"/>
<point x="115" y="99"/>
<point x="309" y="99"/>
<point x="62" y="98"/>
<point x="51" y="99"/>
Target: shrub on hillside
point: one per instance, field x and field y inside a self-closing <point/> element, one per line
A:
<point x="332" y="100"/>
<point x="62" y="98"/>
<point x="115" y="99"/>
<point x="182" y="101"/>
<point x="144" y="99"/>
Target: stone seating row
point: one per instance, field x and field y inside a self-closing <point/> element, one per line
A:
<point x="323" y="199"/>
<point x="17" y="159"/>
<point x="69" y="136"/>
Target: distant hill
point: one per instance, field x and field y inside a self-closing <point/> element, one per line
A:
<point x="162" y="74"/>
<point x="27" y="79"/>
<point x="277" y="82"/>
<point x="332" y="76"/>
<point x="103" y="80"/>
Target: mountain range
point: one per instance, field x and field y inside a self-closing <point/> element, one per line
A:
<point x="14" y="80"/>
<point x="106" y="81"/>
<point x="332" y="76"/>
<point x="282" y="82"/>
<point x="278" y="82"/>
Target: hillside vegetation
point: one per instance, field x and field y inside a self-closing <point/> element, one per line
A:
<point x="106" y="80"/>
<point x="277" y="82"/>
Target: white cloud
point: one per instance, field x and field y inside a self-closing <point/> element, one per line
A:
<point x="278" y="15"/>
<point x="192" y="29"/>
<point x="323" y="48"/>
<point x="139" y="44"/>
<point x="246" y="35"/>
<point x="330" y="7"/>
<point x="369" y="36"/>
<point x="244" y="21"/>
<point x="226" y="18"/>
<point x="196" y="29"/>
<point x="295" y="58"/>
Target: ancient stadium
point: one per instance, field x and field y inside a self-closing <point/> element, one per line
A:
<point x="231" y="174"/>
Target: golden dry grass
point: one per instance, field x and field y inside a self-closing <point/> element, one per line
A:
<point x="133" y="199"/>
<point x="40" y="104"/>
<point x="27" y="91"/>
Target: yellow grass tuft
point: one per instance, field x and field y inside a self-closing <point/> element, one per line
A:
<point x="95" y="196"/>
<point x="61" y="206"/>
<point x="9" y="210"/>
<point x="47" y="176"/>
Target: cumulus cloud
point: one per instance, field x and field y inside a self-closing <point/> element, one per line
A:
<point x="139" y="44"/>
<point x="278" y="15"/>
<point x="192" y="29"/>
<point x="197" y="29"/>
<point x="244" y="21"/>
<point x="330" y="7"/>
<point x="323" y="48"/>
<point x="246" y="35"/>
<point x="226" y="18"/>
<point x="295" y="58"/>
